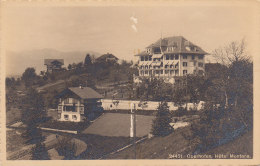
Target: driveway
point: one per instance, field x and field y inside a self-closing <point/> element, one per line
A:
<point x="116" y="124"/>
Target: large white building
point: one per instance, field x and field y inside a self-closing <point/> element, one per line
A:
<point x="170" y="58"/>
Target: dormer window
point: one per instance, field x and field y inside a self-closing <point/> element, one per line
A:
<point x="187" y="48"/>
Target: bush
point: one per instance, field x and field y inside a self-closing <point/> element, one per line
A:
<point x="66" y="148"/>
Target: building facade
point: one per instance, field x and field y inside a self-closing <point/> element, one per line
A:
<point x="53" y="64"/>
<point x="169" y="58"/>
<point x="77" y="104"/>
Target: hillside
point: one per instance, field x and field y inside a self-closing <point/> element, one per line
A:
<point x="165" y="147"/>
<point x="17" y="62"/>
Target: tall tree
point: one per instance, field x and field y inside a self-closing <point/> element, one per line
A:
<point x="32" y="114"/>
<point x="161" y="124"/>
<point x="87" y="61"/>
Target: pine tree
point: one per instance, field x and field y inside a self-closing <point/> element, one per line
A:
<point x="32" y="115"/>
<point x="87" y="60"/>
<point x="161" y="126"/>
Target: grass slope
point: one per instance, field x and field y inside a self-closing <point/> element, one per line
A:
<point x="162" y="147"/>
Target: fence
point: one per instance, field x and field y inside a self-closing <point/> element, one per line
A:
<point x="109" y="104"/>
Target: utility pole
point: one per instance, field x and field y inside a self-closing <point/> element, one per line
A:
<point x="133" y="128"/>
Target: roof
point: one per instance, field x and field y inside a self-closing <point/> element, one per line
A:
<point x="143" y="53"/>
<point x="179" y="43"/>
<point x="85" y="93"/>
<point x="107" y="56"/>
<point x="49" y="61"/>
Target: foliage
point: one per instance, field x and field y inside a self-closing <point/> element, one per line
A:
<point x="39" y="152"/>
<point x="29" y="76"/>
<point x="161" y="126"/>
<point x="153" y="89"/>
<point x="229" y="99"/>
<point x="32" y="114"/>
<point x="66" y="148"/>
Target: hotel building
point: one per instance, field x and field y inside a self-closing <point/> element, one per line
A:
<point x="170" y="58"/>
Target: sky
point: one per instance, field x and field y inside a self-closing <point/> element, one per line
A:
<point x="109" y="28"/>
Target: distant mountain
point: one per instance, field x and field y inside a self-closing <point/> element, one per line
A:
<point x="17" y="62"/>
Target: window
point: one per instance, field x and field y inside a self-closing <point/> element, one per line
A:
<point x="161" y="71"/>
<point x="146" y="58"/>
<point x="201" y="56"/>
<point x="184" y="56"/>
<point x="184" y="72"/>
<point x="70" y="108"/>
<point x="66" y="117"/>
<point x="146" y="67"/>
<point x="172" y="72"/>
<point x="166" y="66"/>
<point x="172" y="57"/>
<point x="171" y="66"/>
<point x="66" y="101"/>
<point x="193" y="57"/>
<point x="157" y="50"/>
<point x="166" y="71"/>
<point x="142" y="58"/>
<point x="146" y="72"/>
<point x="150" y="58"/>
<point x="194" y="63"/>
<point x="167" y="57"/>
<point x="200" y="64"/>
<point x="74" y="117"/>
<point x="177" y="57"/>
<point x="185" y="64"/>
<point x="176" y="72"/>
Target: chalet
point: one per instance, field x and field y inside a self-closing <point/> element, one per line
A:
<point x="107" y="58"/>
<point x="170" y="58"/>
<point x="79" y="103"/>
<point x="53" y="64"/>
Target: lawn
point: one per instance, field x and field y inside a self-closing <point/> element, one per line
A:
<point x="98" y="146"/>
<point x="116" y="125"/>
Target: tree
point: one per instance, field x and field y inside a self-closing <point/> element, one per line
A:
<point x="32" y="114"/>
<point x="69" y="67"/>
<point x="161" y="124"/>
<point x="87" y="61"/>
<point x="235" y="51"/>
<point x="29" y="76"/>
<point x="228" y="111"/>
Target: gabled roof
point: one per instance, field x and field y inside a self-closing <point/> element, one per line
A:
<point x="49" y="61"/>
<point x="85" y="93"/>
<point x="179" y="43"/>
<point x="107" y="56"/>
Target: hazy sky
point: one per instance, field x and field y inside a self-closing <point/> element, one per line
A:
<point x="108" y="29"/>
